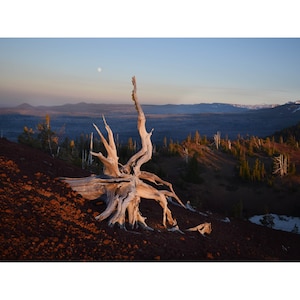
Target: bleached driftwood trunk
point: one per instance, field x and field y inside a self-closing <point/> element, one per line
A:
<point x="281" y="164"/>
<point x="202" y="228"/>
<point x="217" y="139"/>
<point x="125" y="185"/>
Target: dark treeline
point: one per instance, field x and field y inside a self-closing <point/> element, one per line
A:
<point x="255" y="156"/>
<point x="256" y="161"/>
<point x="290" y="135"/>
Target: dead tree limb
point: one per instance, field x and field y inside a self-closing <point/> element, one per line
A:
<point x="126" y="185"/>
<point x="202" y="228"/>
<point x="281" y="165"/>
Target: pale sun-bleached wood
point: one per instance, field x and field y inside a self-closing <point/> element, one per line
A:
<point x="126" y="185"/>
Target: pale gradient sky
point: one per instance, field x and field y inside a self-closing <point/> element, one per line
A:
<point x="168" y="70"/>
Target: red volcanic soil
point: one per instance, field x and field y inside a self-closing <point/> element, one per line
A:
<point x="42" y="219"/>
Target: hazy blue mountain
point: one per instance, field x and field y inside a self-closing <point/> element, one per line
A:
<point x="91" y="109"/>
<point x="175" y="122"/>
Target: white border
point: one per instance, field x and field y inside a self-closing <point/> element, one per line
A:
<point x="132" y="18"/>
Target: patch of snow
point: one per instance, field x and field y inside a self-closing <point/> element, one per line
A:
<point x="190" y="207"/>
<point x="202" y="214"/>
<point x="226" y="220"/>
<point x="296" y="109"/>
<point x="280" y="222"/>
<point x="175" y="229"/>
<point x="170" y="200"/>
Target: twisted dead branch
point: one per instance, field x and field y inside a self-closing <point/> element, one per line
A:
<point x="125" y="185"/>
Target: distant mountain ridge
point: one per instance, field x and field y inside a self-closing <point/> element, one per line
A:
<point x="93" y="109"/>
<point x="171" y="121"/>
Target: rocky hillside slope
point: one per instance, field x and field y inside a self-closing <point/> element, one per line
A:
<point x="42" y="219"/>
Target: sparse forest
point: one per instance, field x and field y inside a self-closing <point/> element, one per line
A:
<point x="88" y="176"/>
<point x="223" y="181"/>
<point x="256" y="160"/>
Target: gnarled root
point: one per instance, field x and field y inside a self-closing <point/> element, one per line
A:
<point x="202" y="228"/>
<point x="125" y="185"/>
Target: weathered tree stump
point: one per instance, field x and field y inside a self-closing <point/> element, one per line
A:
<point x="125" y="185"/>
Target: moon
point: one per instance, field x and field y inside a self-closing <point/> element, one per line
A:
<point x="99" y="69"/>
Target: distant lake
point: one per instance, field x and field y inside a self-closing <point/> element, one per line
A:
<point x="173" y="126"/>
<point x="11" y="126"/>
